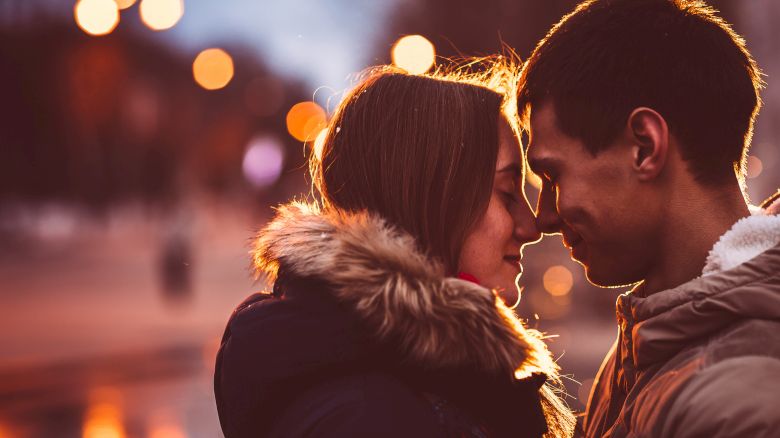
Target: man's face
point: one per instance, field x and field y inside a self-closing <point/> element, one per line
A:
<point x="604" y="214"/>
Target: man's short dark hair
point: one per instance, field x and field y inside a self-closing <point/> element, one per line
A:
<point x="677" y="57"/>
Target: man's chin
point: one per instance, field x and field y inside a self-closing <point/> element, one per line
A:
<point x="603" y="277"/>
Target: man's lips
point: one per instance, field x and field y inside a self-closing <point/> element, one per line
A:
<point x="576" y="246"/>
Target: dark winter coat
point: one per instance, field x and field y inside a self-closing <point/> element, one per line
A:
<point x="364" y="336"/>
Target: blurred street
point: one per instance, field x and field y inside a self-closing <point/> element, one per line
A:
<point x="101" y="320"/>
<point x="142" y="143"/>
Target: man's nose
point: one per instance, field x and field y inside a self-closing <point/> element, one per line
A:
<point x="548" y="221"/>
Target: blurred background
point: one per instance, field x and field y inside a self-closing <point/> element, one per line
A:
<point x="143" y="142"/>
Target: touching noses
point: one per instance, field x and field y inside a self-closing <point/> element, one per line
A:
<point x="525" y="224"/>
<point x="548" y="221"/>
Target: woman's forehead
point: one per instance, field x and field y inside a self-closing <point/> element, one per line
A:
<point x="509" y="156"/>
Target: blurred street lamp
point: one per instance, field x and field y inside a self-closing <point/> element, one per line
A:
<point x="558" y="281"/>
<point x="161" y="14"/>
<point x="104" y="415"/>
<point x="305" y="120"/>
<point x="212" y="69"/>
<point x="414" y="53"/>
<point x="96" y="17"/>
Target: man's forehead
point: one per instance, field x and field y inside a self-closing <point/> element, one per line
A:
<point x="543" y="132"/>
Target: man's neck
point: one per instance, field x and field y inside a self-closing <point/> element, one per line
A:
<point x="695" y="222"/>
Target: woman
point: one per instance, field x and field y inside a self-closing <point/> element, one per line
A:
<point x="384" y="318"/>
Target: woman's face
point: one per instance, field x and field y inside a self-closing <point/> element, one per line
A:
<point x="493" y="248"/>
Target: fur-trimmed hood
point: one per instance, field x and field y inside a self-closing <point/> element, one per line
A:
<point x="398" y="293"/>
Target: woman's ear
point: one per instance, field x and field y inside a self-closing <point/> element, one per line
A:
<point x="649" y="136"/>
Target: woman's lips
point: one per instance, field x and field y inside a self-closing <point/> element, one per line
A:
<point x="515" y="261"/>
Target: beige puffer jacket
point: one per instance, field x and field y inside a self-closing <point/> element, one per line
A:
<point x="702" y="359"/>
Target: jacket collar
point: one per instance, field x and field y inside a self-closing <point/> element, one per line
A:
<point x="398" y="293"/>
<point x="740" y="281"/>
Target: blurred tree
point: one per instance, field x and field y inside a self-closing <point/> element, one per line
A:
<point x="98" y="121"/>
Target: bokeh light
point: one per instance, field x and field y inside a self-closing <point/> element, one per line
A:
<point x="414" y="53"/>
<point x="558" y="281"/>
<point x="305" y="120"/>
<point x="754" y="166"/>
<point x="96" y="17"/>
<point x="124" y="4"/>
<point x="212" y="69"/>
<point x="104" y="416"/>
<point x="161" y="14"/>
<point x="263" y="161"/>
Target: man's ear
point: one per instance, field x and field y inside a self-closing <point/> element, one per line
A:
<point x="649" y="136"/>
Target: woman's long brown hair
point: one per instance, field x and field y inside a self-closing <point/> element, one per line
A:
<point x="420" y="151"/>
<point x="417" y="150"/>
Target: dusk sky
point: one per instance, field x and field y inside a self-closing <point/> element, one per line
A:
<point x="322" y="42"/>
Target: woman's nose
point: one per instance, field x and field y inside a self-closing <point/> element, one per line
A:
<point x="547" y="219"/>
<point x="525" y="224"/>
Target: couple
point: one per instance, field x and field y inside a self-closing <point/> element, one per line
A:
<point x="386" y="317"/>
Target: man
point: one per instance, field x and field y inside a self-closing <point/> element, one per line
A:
<point x="640" y="115"/>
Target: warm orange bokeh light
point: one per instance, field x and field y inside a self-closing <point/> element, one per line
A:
<point x="104" y="416"/>
<point x="96" y="17"/>
<point x="305" y="120"/>
<point x="754" y="166"/>
<point x="212" y="69"/>
<point x="414" y="53"/>
<point x="558" y="281"/>
<point x="161" y="14"/>
<point x="124" y="4"/>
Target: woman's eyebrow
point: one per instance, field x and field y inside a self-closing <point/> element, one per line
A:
<point x="513" y="168"/>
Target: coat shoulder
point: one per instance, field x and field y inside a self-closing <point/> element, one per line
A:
<point x="706" y="405"/>
<point x="364" y="404"/>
